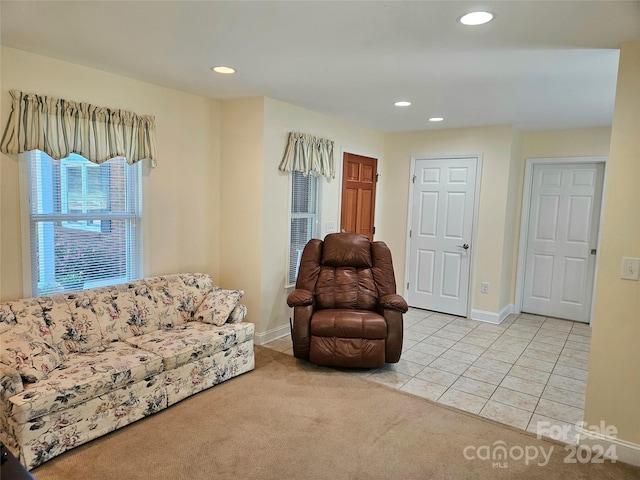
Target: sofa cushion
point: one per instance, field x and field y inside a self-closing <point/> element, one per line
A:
<point x="217" y="306"/>
<point x="25" y="350"/>
<point x="192" y="341"/>
<point x="84" y="376"/>
<point x="74" y="326"/>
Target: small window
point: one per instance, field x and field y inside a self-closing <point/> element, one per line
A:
<point x="84" y="222"/>
<point x="304" y="219"/>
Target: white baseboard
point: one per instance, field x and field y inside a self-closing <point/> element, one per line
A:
<point x="625" y="452"/>
<point x="273" y="334"/>
<point x="492" y="317"/>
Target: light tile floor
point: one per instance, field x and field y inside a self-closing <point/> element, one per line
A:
<point x="529" y="372"/>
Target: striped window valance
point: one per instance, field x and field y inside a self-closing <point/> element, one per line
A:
<point x="309" y="155"/>
<point x="60" y="127"/>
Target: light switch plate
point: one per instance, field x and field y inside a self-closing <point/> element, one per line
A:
<point x="630" y="268"/>
<point x="331" y="227"/>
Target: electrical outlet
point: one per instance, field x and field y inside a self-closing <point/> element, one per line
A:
<point x="484" y="287"/>
<point x="630" y="268"/>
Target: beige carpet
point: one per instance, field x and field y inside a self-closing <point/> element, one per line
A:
<point x="290" y="420"/>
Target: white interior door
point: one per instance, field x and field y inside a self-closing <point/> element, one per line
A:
<point x="442" y="209"/>
<point x="561" y="240"/>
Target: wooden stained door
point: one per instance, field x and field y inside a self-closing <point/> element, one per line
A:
<point x="359" y="176"/>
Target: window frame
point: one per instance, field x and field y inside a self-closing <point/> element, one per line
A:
<point x="317" y="197"/>
<point x="134" y="236"/>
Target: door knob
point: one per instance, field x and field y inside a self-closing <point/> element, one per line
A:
<point x="465" y="246"/>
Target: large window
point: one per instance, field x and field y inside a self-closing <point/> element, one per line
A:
<point x="84" y="222"/>
<point x="304" y="218"/>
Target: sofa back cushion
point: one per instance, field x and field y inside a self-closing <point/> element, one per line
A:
<point x="166" y="305"/>
<point x="125" y="310"/>
<point x="72" y="322"/>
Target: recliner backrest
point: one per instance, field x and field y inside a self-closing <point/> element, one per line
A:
<point x="346" y="279"/>
<point x="346" y="271"/>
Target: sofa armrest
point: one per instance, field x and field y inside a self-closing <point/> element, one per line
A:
<point x="300" y="298"/>
<point x="394" y="302"/>
<point x="237" y="314"/>
<point x="10" y="381"/>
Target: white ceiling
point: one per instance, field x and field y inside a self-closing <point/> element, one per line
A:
<point x="538" y="65"/>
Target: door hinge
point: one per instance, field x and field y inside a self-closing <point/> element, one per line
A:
<point x="407" y="285"/>
<point x="374" y="230"/>
<point x="377" y="177"/>
<point x="410" y="232"/>
<point x="413" y="179"/>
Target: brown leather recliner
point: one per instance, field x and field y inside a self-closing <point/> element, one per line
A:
<point x="346" y="310"/>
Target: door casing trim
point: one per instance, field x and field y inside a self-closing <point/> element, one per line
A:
<point x="526" y="211"/>
<point x="474" y="221"/>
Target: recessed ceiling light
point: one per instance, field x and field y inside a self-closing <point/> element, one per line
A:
<point x="224" y="70"/>
<point x="402" y="103"/>
<point x="436" y="119"/>
<point x="476" y="18"/>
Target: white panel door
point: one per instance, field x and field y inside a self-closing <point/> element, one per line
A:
<point x="442" y="206"/>
<point x="561" y="240"/>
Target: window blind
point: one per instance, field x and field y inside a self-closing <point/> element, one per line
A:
<point x="304" y="218"/>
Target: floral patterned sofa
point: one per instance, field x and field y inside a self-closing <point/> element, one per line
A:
<point x="78" y="365"/>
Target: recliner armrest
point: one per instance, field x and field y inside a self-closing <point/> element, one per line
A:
<point x="394" y="302"/>
<point x="300" y="298"/>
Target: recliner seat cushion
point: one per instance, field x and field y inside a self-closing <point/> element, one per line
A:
<point x="347" y="338"/>
<point x="348" y="323"/>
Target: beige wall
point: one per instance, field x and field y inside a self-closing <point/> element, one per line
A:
<point x="494" y="144"/>
<point x="242" y="219"/>
<point x="181" y="196"/>
<point x="280" y="119"/>
<point x="583" y="142"/>
<point x="613" y="384"/>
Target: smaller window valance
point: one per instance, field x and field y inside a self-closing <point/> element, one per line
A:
<point x="60" y="127"/>
<point x="309" y="155"/>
